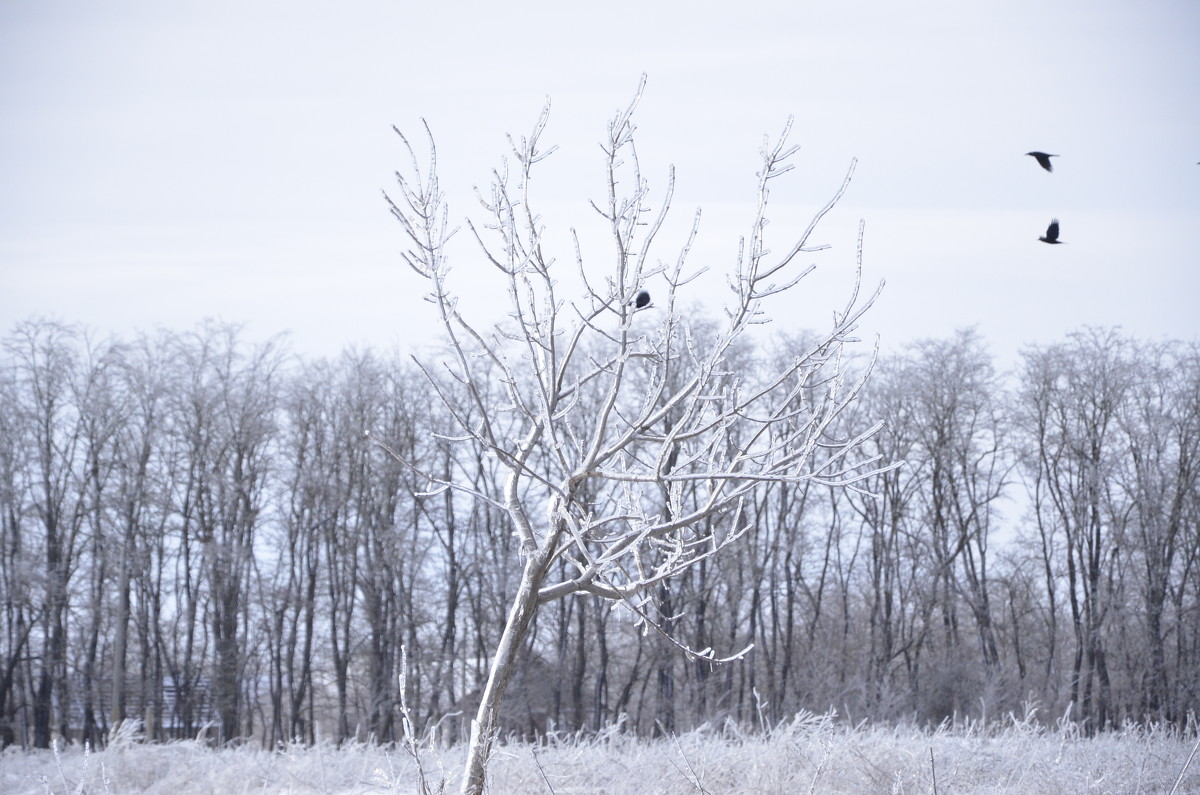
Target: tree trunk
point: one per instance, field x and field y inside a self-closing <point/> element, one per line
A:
<point x="486" y="723"/>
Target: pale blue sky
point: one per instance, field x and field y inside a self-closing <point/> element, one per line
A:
<point x="163" y="162"/>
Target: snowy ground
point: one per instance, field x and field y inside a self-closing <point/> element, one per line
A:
<point x="812" y="754"/>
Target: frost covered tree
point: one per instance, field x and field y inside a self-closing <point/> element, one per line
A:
<point x="1072" y="399"/>
<point x="41" y="557"/>
<point x="628" y="443"/>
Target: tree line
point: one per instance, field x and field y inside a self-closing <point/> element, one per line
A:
<point x="211" y="535"/>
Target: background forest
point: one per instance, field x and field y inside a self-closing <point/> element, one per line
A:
<point x="200" y="532"/>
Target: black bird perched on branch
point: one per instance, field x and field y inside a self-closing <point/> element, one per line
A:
<point x="1043" y="159"/>
<point x="1051" y="233"/>
<point x="642" y="301"/>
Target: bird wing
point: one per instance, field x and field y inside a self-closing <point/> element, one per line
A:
<point x="1052" y="231"/>
<point x="1043" y="159"/>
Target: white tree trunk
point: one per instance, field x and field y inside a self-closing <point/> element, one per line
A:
<point x="486" y="723"/>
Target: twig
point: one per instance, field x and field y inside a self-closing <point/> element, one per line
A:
<point x="693" y="778"/>
<point x="409" y="731"/>
<point x="826" y="752"/>
<point x="541" y="771"/>
<point x="1186" y="764"/>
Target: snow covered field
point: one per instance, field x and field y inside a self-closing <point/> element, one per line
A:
<point x="812" y="754"/>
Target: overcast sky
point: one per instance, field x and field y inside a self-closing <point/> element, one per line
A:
<point x="166" y="162"/>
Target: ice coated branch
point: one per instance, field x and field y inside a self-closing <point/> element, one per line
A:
<point x="630" y="439"/>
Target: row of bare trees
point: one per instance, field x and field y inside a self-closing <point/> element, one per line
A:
<point x="196" y="532"/>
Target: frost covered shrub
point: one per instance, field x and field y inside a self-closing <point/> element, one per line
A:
<point x="811" y="753"/>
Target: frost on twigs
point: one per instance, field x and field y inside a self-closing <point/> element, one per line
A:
<point x="629" y="441"/>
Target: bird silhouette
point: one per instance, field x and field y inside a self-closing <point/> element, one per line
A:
<point x="1051" y="233"/>
<point x="642" y="301"/>
<point x="1043" y="159"/>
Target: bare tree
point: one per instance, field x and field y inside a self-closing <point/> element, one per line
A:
<point x="289" y="583"/>
<point x="95" y="395"/>
<point x="19" y="580"/>
<point x="46" y="366"/>
<point x="1159" y="474"/>
<point x="897" y="607"/>
<point x="618" y="492"/>
<point x="392" y="543"/>
<point x="1072" y="399"/>
<point x="227" y="418"/>
<point x="145" y="464"/>
<point x="961" y="466"/>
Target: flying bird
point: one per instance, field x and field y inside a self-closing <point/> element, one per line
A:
<point x="642" y="301"/>
<point x="1043" y="159"/>
<point x="1051" y="233"/>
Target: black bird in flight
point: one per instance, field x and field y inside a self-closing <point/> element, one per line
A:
<point x="642" y="301"/>
<point x="1051" y="233"/>
<point x="1043" y="159"/>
